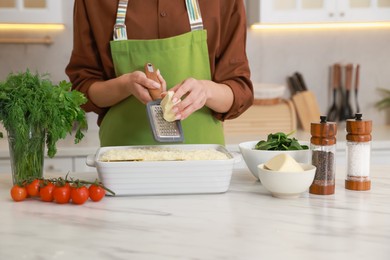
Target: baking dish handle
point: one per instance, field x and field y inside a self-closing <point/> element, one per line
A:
<point x="90" y="161"/>
<point x="236" y="156"/>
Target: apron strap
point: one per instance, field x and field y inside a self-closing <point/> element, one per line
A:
<point x="120" y="26"/>
<point x="193" y="11"/>
<point x="194" y="15"/>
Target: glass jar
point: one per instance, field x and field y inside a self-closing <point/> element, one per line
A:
<point x="358" y="153"/>
<point x="26" y="154"/>
<point x="323" y="150"/>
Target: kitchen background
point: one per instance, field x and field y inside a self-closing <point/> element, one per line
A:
<point x="273" y="55"/>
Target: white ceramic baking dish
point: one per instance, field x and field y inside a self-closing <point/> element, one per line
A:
<point x="165" y="177"/>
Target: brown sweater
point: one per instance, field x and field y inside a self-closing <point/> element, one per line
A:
<point x="224" y="20"/>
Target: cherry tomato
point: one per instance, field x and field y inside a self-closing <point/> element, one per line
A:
<point x="33" y="188"/>
<point x="61" y="194"/>
<point x="18" y="193"/>
<point x="96" y="192"/>
<point x="46" y="191"/>
<point x="79" y="195"/>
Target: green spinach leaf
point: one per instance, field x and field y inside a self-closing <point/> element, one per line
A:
<point x="280" y="142"/>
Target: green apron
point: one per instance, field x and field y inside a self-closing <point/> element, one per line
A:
<point x="178" y="58"/>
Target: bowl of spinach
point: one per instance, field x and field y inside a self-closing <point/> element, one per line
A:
<point x="258" y="152"/>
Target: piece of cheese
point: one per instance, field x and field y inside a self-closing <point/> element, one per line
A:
<point x="167" y="105"/>
<point x="283" y="163"/>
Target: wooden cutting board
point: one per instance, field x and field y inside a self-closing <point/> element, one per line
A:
<point x="307" y="108"/>
<point x="264" y="119"/>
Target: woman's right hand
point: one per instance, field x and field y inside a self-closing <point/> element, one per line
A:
<point x="110" y="92"/>
<point x="138" y="85"/>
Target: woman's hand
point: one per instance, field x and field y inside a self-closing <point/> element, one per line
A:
<point x="110" y="92"/>
<point x="138" y="85"/>
<point x="195" y="94"/>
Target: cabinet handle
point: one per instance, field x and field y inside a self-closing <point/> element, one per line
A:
<point x="342" y="14"/>
<point x="331" y="14"/>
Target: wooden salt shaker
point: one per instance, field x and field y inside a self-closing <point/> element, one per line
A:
<point x="358" y="153"/>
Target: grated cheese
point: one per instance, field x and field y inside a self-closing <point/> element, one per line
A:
<point x="161" y="154"/>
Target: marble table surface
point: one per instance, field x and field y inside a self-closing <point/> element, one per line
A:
<point x="243" y="223"/>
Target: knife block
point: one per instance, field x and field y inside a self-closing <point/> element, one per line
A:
<point x="307" y="108"/>
<point x="263" y="118"/>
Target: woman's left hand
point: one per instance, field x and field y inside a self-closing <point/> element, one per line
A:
<point x="193" y="94"/>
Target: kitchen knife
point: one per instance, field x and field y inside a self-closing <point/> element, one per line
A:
<point x="301" y="81"/>
<point x="295" y="82"/>
<point x="291" y="86"/>
<point x="305" y="102"/>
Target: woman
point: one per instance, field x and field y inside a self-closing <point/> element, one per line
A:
<point x="197" y="45"/>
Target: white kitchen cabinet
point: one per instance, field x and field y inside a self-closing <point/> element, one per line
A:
<point x="317" y="11"/>
<point x="5" y="166"/>
<point x="81" y="166"/>
<point x="31" y="11"/>
<point x="58" y="165"/>
<point x="55" y="165"/>
<point x="69" y="157"/>
<point x="51" y="165"/>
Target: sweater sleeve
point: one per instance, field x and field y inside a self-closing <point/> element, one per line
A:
<point x="231" y="64"/>
<point x="85" y="66"/>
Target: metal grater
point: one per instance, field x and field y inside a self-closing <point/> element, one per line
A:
<point x="163" y="131"/>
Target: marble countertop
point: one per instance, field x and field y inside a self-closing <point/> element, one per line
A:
<point x="243" y="223"/>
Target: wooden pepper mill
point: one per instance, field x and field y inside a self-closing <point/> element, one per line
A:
<point x="323" y="149"/>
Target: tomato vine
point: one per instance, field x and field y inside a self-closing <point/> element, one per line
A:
<point x="60" y="190"/>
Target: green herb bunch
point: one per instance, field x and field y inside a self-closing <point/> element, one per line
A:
<point x="280" y="142"/>
<point x="30" y="100"/>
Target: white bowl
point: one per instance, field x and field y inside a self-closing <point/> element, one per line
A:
<point x="287" y="184"/>
<point x="254" y="157"/>
<point x="268" y="90"/>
